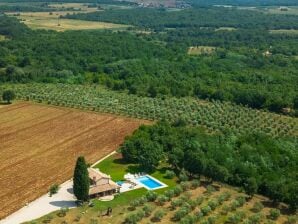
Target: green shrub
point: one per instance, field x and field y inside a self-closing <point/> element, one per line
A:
<point x="132" y="218"/>
<point x="212" y="219"/>
<point x="62" y="212"/>
<point x="193" y="204"/>
<point x="148" y="209"/>
<point x="225" y="209"/>
<point x="237" y="217"/>
<point x="54" y="189"/>
<point x="234" y="205"/>
<point x="185" y="186"/>
<point x="210" y="189"/>
<point x="161" y="200"/>
<point x="257" y="207"/>
<point x="177" y="190"/>
<point x="199" y="200"/>
<point x="213" y="203"/>
<point x="170" y="174"/>
<point x="223" y="197"/>
<point x="183" y="176"/>
<point x="199" y="215"/>
<point x="274" y="213"/>
<point x="134" y="204"/>
<point x="241" y="200"/>
<point x="48" y="219"/>
<point x="292" y="219"/>
<point x="176" y="203"/>
<point x="169" y="193"/>
<point x="189" y="219"/>
<point x="151" y="196"/>
<point x="255" y="219"/>
<point x="142" y="200"/>
<point x="205" y="210"/>
<point x="195" y="183"/>
<point x="182" y="212"/>
<point x="158" y="215"/>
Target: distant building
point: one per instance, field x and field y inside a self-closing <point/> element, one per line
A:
<point x="101" y="184"/>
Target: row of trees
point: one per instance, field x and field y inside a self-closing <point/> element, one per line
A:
<point x="255" y="162"/>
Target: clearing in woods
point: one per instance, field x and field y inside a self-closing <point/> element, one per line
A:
<point x="40" y="145"/>
<point x="200" y="50"/>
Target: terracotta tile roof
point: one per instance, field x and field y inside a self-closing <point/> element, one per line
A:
<point x="103" y="187"/>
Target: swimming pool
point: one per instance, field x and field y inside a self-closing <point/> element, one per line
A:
<point x="150" y="183"/>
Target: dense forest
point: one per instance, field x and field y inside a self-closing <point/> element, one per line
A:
<point x="195" y="18"/>
<point x="254" y="162"/>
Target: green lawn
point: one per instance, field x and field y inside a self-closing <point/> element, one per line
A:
<point x="120" y="200"/>
<point x="117" y="168"/>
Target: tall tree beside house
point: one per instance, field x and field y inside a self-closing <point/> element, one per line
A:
<point x="81" y="180"/>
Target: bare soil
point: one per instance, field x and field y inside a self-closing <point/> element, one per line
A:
<point x="40" y="145"/>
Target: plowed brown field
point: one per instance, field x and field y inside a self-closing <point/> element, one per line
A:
<point x="39" y="146"/>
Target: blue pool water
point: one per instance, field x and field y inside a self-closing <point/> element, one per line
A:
<point x="148" y="182"/>
<point x="119" y="183"/>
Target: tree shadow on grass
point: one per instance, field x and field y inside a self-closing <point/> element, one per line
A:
<point x="120" y="161"/>
<point x="134" y="169"/>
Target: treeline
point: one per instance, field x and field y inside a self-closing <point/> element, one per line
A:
<point x="159" y="19"/>
<point x="255" y="162"/>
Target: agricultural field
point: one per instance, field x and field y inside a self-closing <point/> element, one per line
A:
<point x="201" y="50"/>
<point x="200" y="201"/>
<point x="52" y="21"/>
<point x="74" y="6"/>
<point x="215" y="116"/>
<point x="35" y="138"/>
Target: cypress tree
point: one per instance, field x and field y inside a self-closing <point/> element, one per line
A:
<point x="81" y="180"/>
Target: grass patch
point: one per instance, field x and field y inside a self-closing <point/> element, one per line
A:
<point x="201" y="50"/>
<point x="50" y="21"/>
